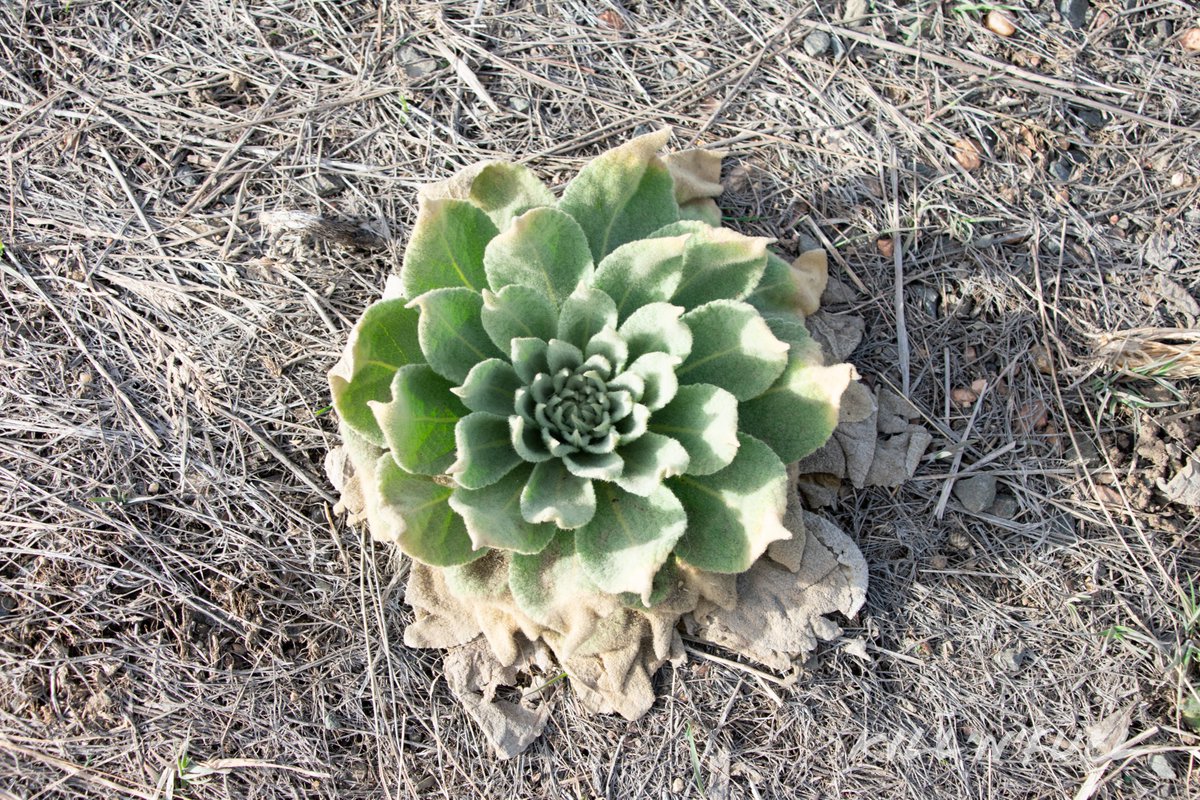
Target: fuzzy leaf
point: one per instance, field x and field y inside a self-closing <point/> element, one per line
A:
<point x="641" y="272"/>
<point x="517" y="312"/>
<point x="704" y="419"/>
<point x="418" y="423"/>
<point x="493" y="515"/>
<point x="657" y="371"/>
<point x="792" y="288"/>
<point x="656" y="328"/>
<point x="649" y="460"/>
<point x="490" y="386"/>
<point x="550" y="586"/>
<point x="584" y="314"/>
<point x="545" y="249"/>
<point x="733" y="348"/>
<point x="451" y="332"/>
<point x="553" y="494"/>
<point x="527" y="441"/>
<point x="594" y="466"/>
<point x="446" y="248"/>
<point x="611" y="345"/>
<point x="415" y="508"/>
<point x="798" y="413"/>
<point x="622" y="195"/>
<point x="629" y="538"/>
<point x="506" y="191"/>
<point x="529" y="357"/>
<point x="736" y="512"/>
<point x="718" y="264"/>
<point x="384" y="340"/>
<point x="485" y="452"/>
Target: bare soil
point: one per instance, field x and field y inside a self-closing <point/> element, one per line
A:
<point x="180" y="614"/>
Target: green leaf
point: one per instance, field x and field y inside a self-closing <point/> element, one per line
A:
<point x="418" y="424"/>
<point x="734" y="513"/>
<point x="446" y="248"/>
<point x="656" y="328"/>
<point x="490" y="386"/>
<point x="703" y="209"/>
<point x="451" y="332"/>
<point x="594" y="466"/>
<point x="414" y="513"/>
<point x="485" y="578"/>
<point x="549" y="586"/>
<point x="553" y="494"/>
<point x="641" y="272"/>
<point x="506" y="191"/>
<point x="704" y="419"/>
<point x="629" y="538"/>
<point x="623" y="195"/>
<point x="545" y="250"/>
<point x="584" y="314"/>
<point x="529" y="358"/>
<point x="382" y="341"/>
<point x="527" y="441"/>
<point x="798" y="413"/>
<point x="719" y="264"/>
<point x="777" y="290"/>
<point x="657" y="371"/>
<point x="649" y="460"/>
<point x="518" y="312"/>
<point x="733" y="348"/>
<point x="665" y="582"/>
<point x="485" y="452"/>
<point x="493" y="515"/>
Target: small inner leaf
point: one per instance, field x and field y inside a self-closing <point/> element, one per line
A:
<point x="584" y="314"/>
<point x="553" y="494"/>
<point x="656" y="328"/>
<point x="490" y="386"/>
<point x="517" y="312"/>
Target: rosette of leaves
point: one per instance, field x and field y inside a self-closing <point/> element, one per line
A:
<point x="604" y="386"/>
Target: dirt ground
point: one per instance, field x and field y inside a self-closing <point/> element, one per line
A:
<point x="181" y="616"/>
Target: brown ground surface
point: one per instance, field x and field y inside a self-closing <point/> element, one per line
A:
<point x="178" y="612"/>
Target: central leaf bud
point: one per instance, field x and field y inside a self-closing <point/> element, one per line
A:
<point x="580" y="406"/>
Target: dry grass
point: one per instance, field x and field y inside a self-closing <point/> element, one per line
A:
<point x="179" y="612"/>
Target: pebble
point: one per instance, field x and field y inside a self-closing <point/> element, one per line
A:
<point x="816" y="43"/>
<point x="1062" y="168"/>
<point x="1005" y="506"/>
<point x="976" y="493"/>
<point x="1074" y="11"/>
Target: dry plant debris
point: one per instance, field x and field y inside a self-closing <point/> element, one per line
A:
<point x="173" y="594"/>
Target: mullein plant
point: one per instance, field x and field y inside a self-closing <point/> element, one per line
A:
<point x="584" y="401"/>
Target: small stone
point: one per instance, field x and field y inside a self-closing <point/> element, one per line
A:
<point x="1005" y="507"/>
<point x="328" y="184"/>
<point x="1011" y="660"/>
<point x="1091" y="118"/>
<point x="416" y="64"/>
<point x="816" y="43"/>
<point x="1190" y="40"/>
<point x="1161" y="767"/>
<point x="518" y="104"/>
<point x="1000" y="22"/>
<point x="1074" y="11"/>
<point x="1062" y="168"/>
<point x="976" y="493"/>
<point x="677" y="787"/>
